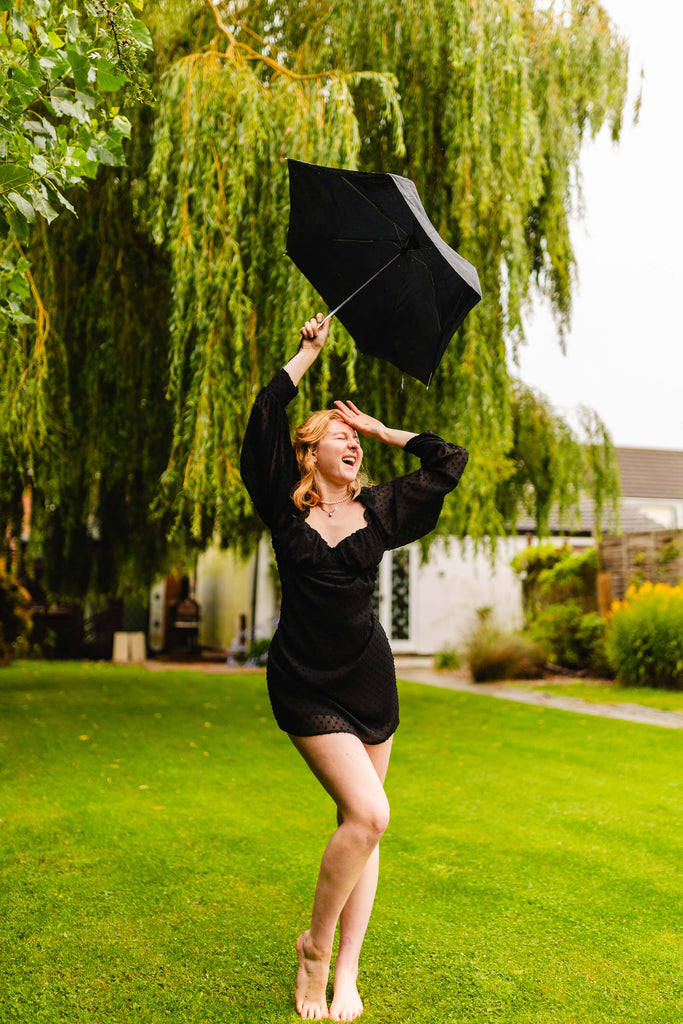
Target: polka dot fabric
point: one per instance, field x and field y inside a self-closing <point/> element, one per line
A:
<point x="330" y="666"/>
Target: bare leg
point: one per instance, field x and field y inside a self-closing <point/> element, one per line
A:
<point x="343" y="766"/>
<point x="347" y="1004"/>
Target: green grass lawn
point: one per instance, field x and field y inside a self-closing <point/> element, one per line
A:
<point x="160" y="840"/>
<point x="601" y="691"/>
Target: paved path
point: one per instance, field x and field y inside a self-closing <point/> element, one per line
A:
<point x="460" y="681"/>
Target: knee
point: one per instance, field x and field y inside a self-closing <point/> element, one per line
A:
<point x="381" y="821"/>
<point x="373" y="822"/>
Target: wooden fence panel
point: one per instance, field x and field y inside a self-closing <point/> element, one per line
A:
<point x="636" y="557"/>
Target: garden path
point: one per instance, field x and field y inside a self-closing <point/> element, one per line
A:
<point x="419" y="671"/>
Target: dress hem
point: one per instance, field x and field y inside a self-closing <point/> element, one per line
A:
<point x="346" y="732"/>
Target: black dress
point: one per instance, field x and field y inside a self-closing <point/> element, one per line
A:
<point x="330" y="667"/>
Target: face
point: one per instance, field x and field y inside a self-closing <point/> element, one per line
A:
<point x="338" y="454"/>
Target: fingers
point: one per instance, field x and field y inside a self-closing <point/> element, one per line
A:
<point x="348" y="410"/>
<point x="348" y="414"/>
<point x="313" y="327"/>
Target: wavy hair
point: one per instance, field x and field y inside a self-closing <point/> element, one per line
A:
<point x="306" y="438"/>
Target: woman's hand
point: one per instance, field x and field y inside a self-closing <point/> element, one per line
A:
<point x="368" y="426"/>
<point x="312" y="337"/>
<point x="314" y="333"/>
<point x="363" y="424"/>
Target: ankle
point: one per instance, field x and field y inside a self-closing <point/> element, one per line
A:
<point x="313" y="950"/>
<point x="347" y="961"/>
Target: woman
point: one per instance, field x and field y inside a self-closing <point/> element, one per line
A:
<point x="330" y="674"/>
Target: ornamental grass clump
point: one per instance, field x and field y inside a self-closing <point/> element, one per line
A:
<point x="644" y="640"/>
<point x="493" y="655"/>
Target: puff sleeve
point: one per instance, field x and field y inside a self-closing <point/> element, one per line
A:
<point x="408" y="507"/>
<point x="268" y="463"/>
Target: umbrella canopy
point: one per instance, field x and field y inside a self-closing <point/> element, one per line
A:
<point x="367" y="246"/>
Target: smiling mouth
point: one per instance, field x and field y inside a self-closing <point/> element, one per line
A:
<point x="349" y="460"/>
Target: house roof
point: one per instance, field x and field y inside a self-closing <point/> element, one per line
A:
<point x="651" y="473"/>
<point x="630" y="521"/>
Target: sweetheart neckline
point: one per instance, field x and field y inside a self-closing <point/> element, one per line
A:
<point x="327" y="544"/>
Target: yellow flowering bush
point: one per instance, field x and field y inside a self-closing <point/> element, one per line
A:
<point x="644" y="641"/>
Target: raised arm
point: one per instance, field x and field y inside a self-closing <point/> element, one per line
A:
<point x="268" y="464"/>
<point x="312" y="337"/>
<point x="368" y="426"/>
<point x="409" y="507"/>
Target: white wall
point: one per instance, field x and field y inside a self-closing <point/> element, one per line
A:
<point x="224" y="591"/>
<point x="454" y="583"/>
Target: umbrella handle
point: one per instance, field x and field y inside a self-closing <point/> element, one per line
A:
<point x="360" y="289"/>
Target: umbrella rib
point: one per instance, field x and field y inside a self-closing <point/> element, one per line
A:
<point x="376" y="208"/>
<point x="360" y="289"/>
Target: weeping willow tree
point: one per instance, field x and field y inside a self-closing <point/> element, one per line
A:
<point x="219" y="206"/>
<point x="172" y="301"/>
<point x="485" y="105"/>
<point x="554" y="465"/>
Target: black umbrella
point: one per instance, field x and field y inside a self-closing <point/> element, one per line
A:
<point x="367" y="246"/>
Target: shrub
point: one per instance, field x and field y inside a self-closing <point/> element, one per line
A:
<point x="550" y="575"/>
<point x="644" y="640"/>
<point x="15" y="617"/>
<point x="505" y="657"/>
<point x="571" y="638"/>
<point x="257" y="652"/>
<point x="447" y="657"/>
<point x="492" y="655"/>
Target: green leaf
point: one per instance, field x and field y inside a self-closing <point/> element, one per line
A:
<point x="14" y="176"/>
<point x="30" y="80"/>
<point x="66" y="107"/>
<point x="56" y="41"/>
<point x="42" y="206"/>
<point x="98" y="153"/>
<point x="19" y="286"/>
<point x="19" y="225"/>
<point x="80" y="65"/>
<point x="79" y="162"/>
<point x="23" y="205"/>
<point x="19" y="25"/>
<point x="108" y="78"/>
<point x="39" y="164"/>
<point x="123" y="125"/>
<point x="140" y="33"/>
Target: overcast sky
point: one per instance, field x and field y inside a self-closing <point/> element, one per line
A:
<point x="625" y="351"/>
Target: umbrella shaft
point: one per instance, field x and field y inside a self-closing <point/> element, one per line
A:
<point x="360" y="289"/>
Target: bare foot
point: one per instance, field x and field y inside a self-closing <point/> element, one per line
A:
<point x="346" y="1004"/>
<point x="311" y="981"/>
